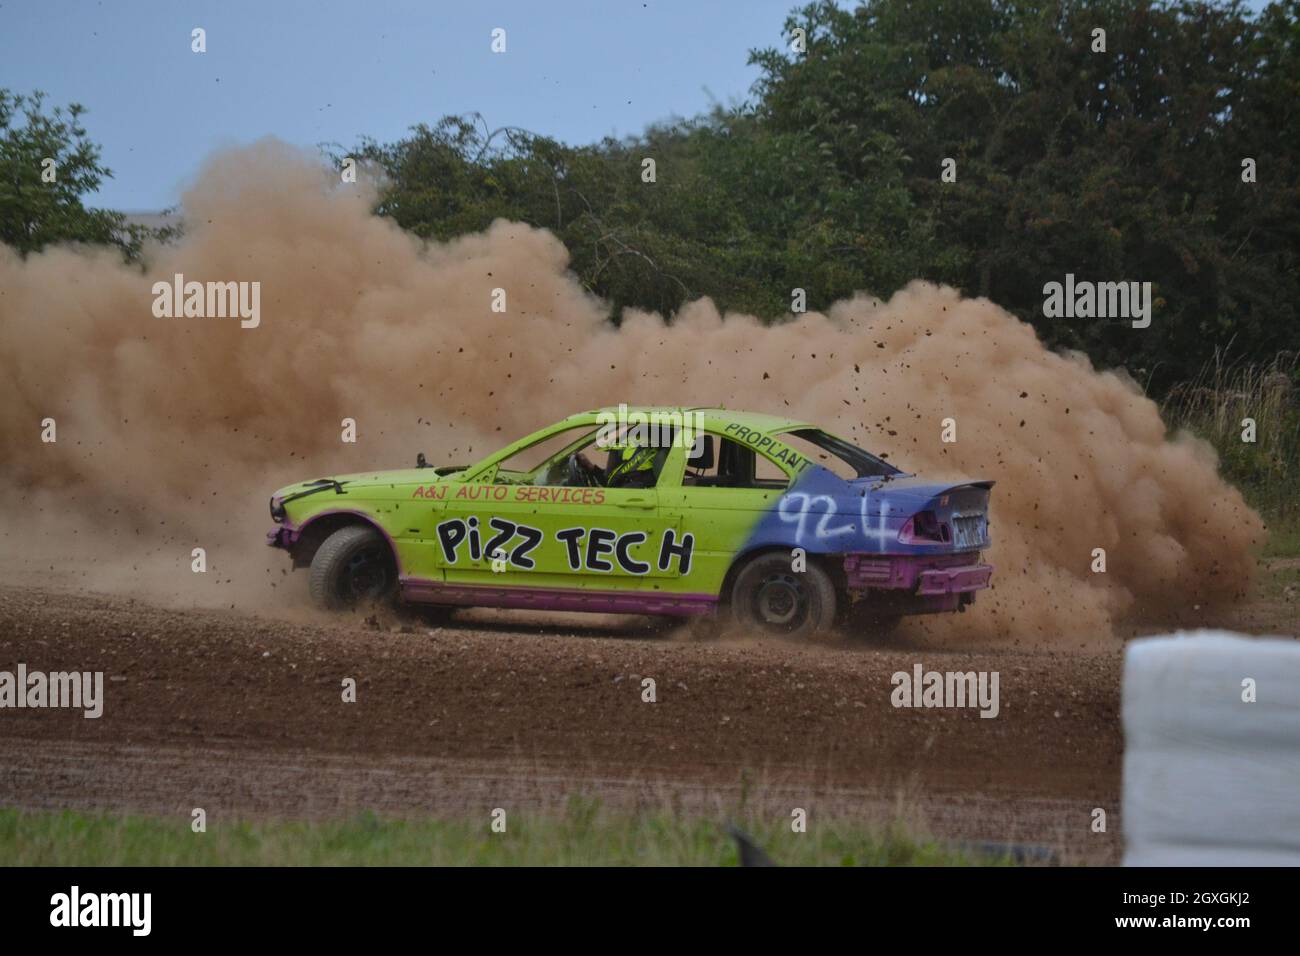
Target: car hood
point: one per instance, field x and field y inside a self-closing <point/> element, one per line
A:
<point x="371" y="479"/>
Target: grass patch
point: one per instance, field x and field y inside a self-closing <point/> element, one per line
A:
<point x="1283" y="542"/>
<point x="584" y="835"/>
<point x="1280" y="582"/>
<point x="1215" y="406"/>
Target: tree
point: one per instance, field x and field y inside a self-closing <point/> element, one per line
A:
<point x="1115" y="164"/>
<point x="47" y="165"/>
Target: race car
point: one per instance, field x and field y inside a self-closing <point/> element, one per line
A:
<point x="775" y="524"/>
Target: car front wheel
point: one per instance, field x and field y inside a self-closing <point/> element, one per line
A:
<point x="354" y="565"/>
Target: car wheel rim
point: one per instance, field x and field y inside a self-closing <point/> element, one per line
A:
<point x="780" y="603"/>
<point x="365" y="575"/>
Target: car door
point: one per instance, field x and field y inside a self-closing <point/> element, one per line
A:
<point x="719" y="500"/>
<point x="500" y="532"/>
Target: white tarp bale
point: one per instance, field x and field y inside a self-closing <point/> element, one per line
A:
<point x="1210" y="779"/>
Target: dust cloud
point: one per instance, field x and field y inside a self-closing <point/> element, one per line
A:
<point x="172" y="433"/>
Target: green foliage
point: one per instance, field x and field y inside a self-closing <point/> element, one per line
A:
<point x="1215" y="404"/>
<point x="738" y="212"/>
<point x="35" y="212"/>
<point x="1116" y="165"/>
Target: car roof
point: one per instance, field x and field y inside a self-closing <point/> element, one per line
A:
<point x="714" y="417"/>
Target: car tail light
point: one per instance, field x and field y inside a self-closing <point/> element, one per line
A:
<point x="924" y="527"/>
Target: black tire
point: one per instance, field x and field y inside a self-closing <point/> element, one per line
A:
<point x="354" y="565"/>
<point x="769" y="597"/>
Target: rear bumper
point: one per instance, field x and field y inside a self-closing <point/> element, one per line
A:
<point x="926" y="576"/>
<point x="971" y="577"/>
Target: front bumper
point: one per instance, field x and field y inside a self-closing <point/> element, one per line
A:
<point x="282" y="537"/>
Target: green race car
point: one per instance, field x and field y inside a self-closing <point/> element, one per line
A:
<point x="666" y="511"/>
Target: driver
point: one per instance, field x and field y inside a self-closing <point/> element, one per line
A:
<point x="633" y="466"/>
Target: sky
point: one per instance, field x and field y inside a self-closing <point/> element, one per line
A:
<point x="330" y="71"/>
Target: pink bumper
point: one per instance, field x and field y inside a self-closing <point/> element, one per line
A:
<point x="922" y="575"/>
<point x="971" y="577"/>
<point x="282" y="537"/>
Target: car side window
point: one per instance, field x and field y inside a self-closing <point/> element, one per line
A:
<point x="719" y="462"/>
<point x="595" y="465"/>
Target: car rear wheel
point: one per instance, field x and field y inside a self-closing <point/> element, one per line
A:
<point x="354" y="565"/>
<point x="771" y="598"/>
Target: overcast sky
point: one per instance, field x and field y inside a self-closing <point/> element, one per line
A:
<point x="313" y="71"/>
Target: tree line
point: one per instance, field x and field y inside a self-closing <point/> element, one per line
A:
<point x="1113" y="140"/>
<point x="1163" y="151"/>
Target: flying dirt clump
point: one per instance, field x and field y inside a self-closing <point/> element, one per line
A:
<point x="172" y="432"/>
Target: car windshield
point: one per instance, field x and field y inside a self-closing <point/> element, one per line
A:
<point x="543" y="454"/>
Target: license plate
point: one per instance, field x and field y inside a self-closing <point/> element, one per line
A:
<point x="970" y="531"/>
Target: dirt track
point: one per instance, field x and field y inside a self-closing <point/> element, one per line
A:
<point x="244" y="713"/>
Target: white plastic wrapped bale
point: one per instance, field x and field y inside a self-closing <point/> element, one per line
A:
<point x="1210" y="779"/>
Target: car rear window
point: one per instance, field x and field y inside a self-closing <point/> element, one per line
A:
<point x="836" y="455"/>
